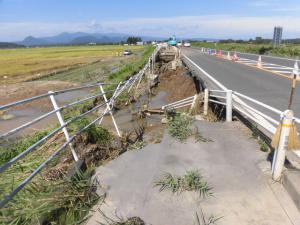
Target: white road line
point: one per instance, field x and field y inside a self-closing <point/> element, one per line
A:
<point x="278" y="68"/>
<point x="277" y="71"/>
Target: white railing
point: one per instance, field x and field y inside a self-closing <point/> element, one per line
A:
<point x="239" y="103"/>
<point x="250" y="110"/>
<point x="107" y="109"/>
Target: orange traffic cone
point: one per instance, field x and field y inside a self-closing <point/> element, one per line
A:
<point x="220" y="53"/>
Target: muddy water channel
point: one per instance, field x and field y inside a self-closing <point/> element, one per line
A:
<point x="17" y="116"/>
<point x="129" y="118"/>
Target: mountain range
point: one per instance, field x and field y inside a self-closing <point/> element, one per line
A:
<point x="79" y="38"/>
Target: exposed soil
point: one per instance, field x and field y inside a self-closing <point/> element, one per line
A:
<point x="176" y="83"/>
<point x="173" y="85"/>
<point x="14" y="92"/>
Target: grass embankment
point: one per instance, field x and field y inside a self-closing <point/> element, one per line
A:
<point x="50" y="196"/>
<point x="30" y="63"/>
<point x="291" y="50"/>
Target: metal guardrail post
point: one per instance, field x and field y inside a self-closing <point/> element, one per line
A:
<point x="108" y="108"/>
<point x="62" y="123"/>
<point x="279" y="154"/>
<point x="206" y="97"/>
<point x="229" y="106"/>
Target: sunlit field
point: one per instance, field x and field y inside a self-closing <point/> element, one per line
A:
<point x="28" y="63"/>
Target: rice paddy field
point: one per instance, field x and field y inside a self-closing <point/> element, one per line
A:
<point x="24" y="64"/>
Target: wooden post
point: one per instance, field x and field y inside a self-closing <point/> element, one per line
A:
<point x="206" y="97"/>
<point x="294" y="82"/>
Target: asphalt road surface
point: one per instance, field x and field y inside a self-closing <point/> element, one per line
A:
<point x="264" y="86"/>
<point x="268" y="59"/>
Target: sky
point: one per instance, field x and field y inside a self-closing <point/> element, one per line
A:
<point x="220" y="19"/>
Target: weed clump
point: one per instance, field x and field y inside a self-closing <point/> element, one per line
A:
<point x="191" y="181"/>
<point x="130" y="221"/>
<point x="180" y="127"/>
<point x="203" y="220"/>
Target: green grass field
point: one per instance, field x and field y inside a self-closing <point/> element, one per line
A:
<point x="18" y="65"/>
<point x="291" y="50"/>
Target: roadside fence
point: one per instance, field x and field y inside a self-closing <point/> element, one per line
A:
<point x="105" y="107"/>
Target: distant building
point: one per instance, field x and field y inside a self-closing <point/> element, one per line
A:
<point x="139" y="43"/>
<point x="277" y="36"/>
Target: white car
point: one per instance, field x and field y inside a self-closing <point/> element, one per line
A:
<point x="187" y="44"/>
<point x="127" y="52"/>
<point x="179" y="44"/>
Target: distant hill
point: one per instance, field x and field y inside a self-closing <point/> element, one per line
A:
<point x="30" y="41"/>
<point x="79" y="38"/>
<point x="10" y="45"/>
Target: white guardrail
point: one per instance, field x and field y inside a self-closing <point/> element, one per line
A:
<point x="250" y="110"/>
<point x="239" y="104"/>
<point x="107" y="106"/>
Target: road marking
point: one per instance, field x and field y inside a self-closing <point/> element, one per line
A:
<point x="270" y="71"/>
<point x="279" y="68"/>
<point x="268" y="67"/>
<point x="289" y="72"/>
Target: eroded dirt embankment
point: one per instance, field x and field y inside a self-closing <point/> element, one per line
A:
<point x="177" y="84"/>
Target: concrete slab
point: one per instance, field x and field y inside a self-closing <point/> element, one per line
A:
<point x="291" y="181"/>
<point x="232" y="165"/>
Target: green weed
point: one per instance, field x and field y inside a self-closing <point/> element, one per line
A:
<point x="202" y="220"/>
<point x="191" y="181"/>
<point x="180" y="127"/>
<point x="15" y="148"/>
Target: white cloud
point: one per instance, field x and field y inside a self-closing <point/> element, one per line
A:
<point x="214" y="26"/>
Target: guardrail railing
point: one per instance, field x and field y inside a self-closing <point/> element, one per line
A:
<point x="237" y="101"/>
<point x="107" y="105"/>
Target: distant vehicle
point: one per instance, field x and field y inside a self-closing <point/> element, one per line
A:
<point x="187" y="44"/>
<point x="127" y="52"/>
<point x="179" y="44"/>
<point x="172" y="41"/>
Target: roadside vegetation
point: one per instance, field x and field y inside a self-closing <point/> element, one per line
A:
<point x="121" y="221"/>
<point x="181" y="127"/>
<point x="203" y="220"/>
<point x="52" y="197"/>
<point x="289" y="50"/>
<point x="263" y="143"/>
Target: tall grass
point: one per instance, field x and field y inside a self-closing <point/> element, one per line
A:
<point x="61" y="202"/>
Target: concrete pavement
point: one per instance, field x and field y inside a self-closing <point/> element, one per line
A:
<point x="231" y="164"/>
